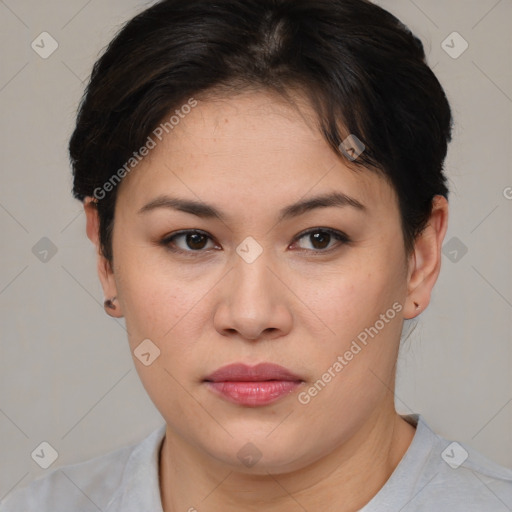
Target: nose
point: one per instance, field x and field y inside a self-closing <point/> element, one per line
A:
<point x="254" y="302"/>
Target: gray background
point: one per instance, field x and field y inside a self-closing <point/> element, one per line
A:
<point x="66" y="374"/>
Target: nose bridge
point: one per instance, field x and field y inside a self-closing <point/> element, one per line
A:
<point x="252" y="277"/>
<point x="254" y="300"/>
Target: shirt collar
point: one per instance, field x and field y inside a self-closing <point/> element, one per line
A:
<point x="395" y="494"/>
<point x="140" y="486"/>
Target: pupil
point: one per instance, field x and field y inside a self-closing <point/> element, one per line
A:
<point x="192" y="241"/>
<point x="320" y="241"/>
<point x="322" y="238"/>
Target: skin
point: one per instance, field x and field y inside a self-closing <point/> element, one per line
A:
<point x="249" y="156"/>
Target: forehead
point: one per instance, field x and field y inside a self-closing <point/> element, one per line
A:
<point x="255" y="144"/>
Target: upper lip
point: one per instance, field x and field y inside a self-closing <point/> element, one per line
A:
<point x="244" y="373"/>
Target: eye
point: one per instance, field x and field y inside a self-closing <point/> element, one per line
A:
<point x="195" y="241"/>
<point x="320" y="239"/>
<point x="192" y="241"/>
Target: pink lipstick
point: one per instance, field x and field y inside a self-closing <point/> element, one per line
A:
<point x="252" y="386"/>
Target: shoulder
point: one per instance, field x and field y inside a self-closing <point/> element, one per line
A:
<point x="461" y="478"/>
<point x="437" y="474"/>
<point x="89" y="485"/>
<point x="84" y="486"/>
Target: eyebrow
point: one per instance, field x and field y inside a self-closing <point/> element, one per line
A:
<point x="204" y="210"/>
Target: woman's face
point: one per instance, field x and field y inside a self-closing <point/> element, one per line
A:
<point x="262" y="282"/>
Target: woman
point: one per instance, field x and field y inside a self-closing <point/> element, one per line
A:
<point x="263" y="180"/>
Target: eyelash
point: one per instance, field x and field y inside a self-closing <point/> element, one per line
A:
<point x="341" y="237"/>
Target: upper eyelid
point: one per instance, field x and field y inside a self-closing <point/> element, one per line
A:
<point x="334" y="232"/>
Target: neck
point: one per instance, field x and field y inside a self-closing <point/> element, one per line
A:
<point x="344" y="480"/>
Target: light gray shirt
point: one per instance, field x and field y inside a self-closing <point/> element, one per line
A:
<point x="434" y="475"/>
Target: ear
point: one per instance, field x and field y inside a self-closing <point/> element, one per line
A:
<point x="425" y="261"/>
<point x="105" y="272"/>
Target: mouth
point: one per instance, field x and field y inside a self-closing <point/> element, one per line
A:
<point x="253" y="386"/>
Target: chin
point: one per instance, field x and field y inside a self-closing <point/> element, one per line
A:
<point x="260" y="455"/>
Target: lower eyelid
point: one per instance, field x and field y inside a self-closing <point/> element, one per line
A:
<point x="339" y="236"/>
<point x="169" y="242"/>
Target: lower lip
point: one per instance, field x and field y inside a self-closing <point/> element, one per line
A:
<point x="253" y="394"/>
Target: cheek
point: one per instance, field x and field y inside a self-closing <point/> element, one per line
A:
<point x="356" y="364"/>
<point x="361" y="306"/>
<point x="167" y="312"/>
<point x="167" y="306"/>
<point x="354" y="297"/>
<point x="159" y="308"/>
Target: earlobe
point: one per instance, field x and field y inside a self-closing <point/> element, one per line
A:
<point x="110" y="306"/>
<point x="108" y="283"/>
<point x="425" y="262"/>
